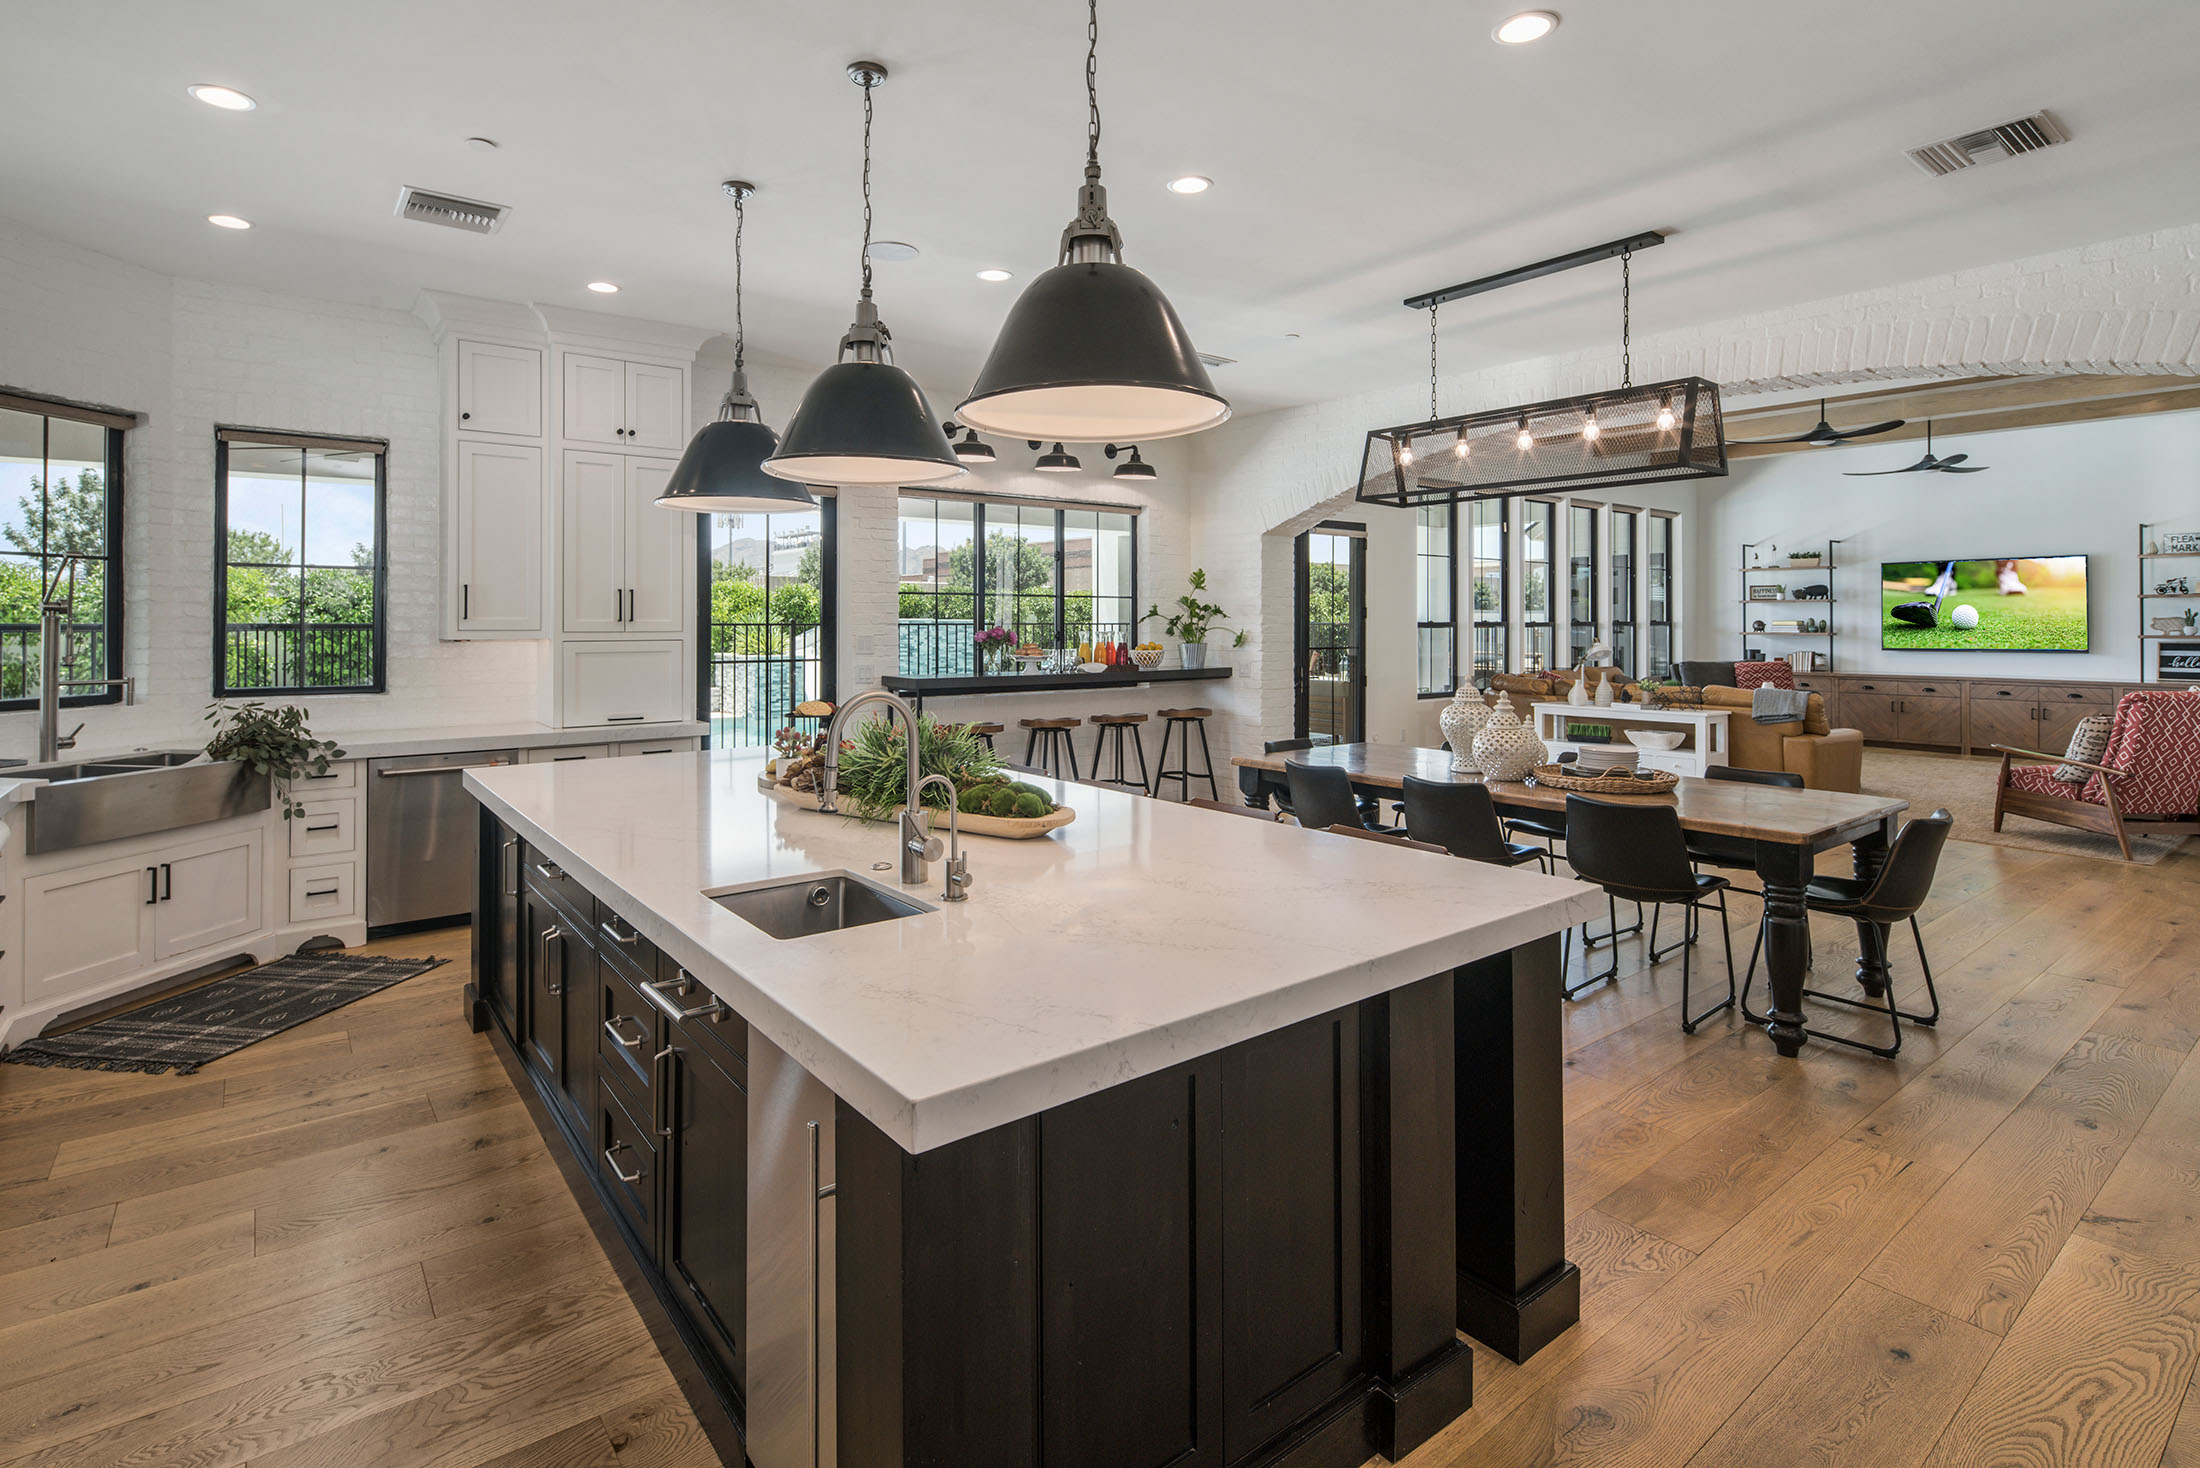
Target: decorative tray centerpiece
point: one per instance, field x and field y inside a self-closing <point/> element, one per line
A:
<point x="1644" y="782"/>
<point x="874" y="770"/>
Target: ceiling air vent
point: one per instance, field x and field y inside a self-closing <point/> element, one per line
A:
<point x="1214" y="361"/>
<point x="1990" y="145"/>
<point x="450" y="211"/>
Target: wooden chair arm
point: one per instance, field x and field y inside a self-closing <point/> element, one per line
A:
<point x="2058" y="759"/>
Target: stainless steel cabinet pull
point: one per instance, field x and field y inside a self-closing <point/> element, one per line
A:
<point x="711" y="1008"/>
<point x="611" y="1028"/>
<point x="819" y="1192"/>
<point x="487" y="764"/>
<point x="661" y="1088"/>
<point x="609" y="930"/>
<point x="556" y="932"/>
<point x="611" y="1160"/>
<point x="551" y="870"/>
<point x="513" y="845"/>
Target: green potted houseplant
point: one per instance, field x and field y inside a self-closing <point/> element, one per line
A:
<point x="274" y="741"/>
<point x="1190" y="622"/>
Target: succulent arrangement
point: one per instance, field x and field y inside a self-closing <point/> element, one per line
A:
<point x="873" y="765"/>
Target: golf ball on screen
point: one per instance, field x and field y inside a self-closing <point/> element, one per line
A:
<point x="1965" y="618"/>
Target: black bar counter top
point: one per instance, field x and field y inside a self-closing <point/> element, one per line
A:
<point x="923" y="688"/>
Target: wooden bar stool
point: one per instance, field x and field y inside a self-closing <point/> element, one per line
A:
<point x="1050" y="745"/>
<point x="1114" y="725"/>
<point x="1180" y="723"/>
<point x="986" y="732"/>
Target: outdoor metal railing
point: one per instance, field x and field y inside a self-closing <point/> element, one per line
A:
<point x="298" y="655"/>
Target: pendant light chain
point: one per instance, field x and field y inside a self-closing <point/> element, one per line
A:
<point x="1432" y="362"/>
<point x="1092" y="84"/>
<point x="740" y="325"/>
<point x="867" y="86"/>
<point x="1626" y="318"/>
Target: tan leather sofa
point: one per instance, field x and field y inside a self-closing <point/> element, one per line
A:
<point x="1826" y="758"/>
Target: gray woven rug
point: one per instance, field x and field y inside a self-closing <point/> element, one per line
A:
<point x="182" y="1033"/>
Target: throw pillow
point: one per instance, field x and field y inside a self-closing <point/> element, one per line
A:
<point x="2089" y="741"/>
<point x="1764" y="675"/>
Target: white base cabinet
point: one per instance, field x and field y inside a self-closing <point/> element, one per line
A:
<point x="111" y="918"/>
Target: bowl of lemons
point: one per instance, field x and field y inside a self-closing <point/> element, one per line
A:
<point x="1147" y="654"/>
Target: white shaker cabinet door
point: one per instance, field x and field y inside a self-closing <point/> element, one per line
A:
<point x="208" y="894"/>
<point x="595" y="400"/>
<point x="499" y="389"/>
<point x="656" y="407"/>
<point x="85" y="926"/>
<point x="660" y="556"/>
<point x="500" y="545"/>
<point x="628" y="681"/>
<point x="594" y="539"/>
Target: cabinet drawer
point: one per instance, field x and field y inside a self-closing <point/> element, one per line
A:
<point x="2004" y="692"/>
<point x="327" y="828"/>
<point x="343" y="775"/>
<point x="656" y="746"/>
<point x="626" y="1157"/>
<point x="1899" y="687"/>
<point x="548" y="878"/>
<point x="553" y="754"/>
<point x="1816" y="683"/>
<point x="324" y="892"/>
<point x="2102" y="695"/>
<point x="629" y="1034"/>
<point x="617" y="938"/>
<point x="719" y="1030"/>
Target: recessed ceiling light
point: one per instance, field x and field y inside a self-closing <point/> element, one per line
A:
<point x="603" y="287"/>
<point x="228" y="221"/>
<point x="1528" y="25"/>
<point x="993" y="274"/>
<point x="893" y="250"/>
<point x="1190" y="183"/>
<point x="228" y="99"/>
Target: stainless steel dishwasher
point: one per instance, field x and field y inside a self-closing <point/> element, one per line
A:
<point x="421" y="832"/>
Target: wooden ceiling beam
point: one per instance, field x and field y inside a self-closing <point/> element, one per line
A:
<point x="1960" y="405"/>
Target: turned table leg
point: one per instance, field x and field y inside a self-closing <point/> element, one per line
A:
<point x="1785" y="872"/>
<point x="1868" y="857"/>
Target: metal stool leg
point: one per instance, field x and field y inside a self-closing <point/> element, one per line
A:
<point x="1689" y="1022"/>
<point x="1138" y="743"/>
<point x="1031" y="748"/>
<point x="1207" y="757"/>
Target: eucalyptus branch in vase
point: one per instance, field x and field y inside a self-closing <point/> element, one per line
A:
<point x="274" y="741"/>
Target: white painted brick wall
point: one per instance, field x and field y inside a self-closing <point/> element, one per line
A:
<point x="2123" y="306"/>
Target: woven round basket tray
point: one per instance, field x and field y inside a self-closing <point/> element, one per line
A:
<point x="1555" y="777"/>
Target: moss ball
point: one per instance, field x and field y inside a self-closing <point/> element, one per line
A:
<point x="1030" y="805"/>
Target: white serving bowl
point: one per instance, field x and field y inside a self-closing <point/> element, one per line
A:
<point x="1656" y="738"/>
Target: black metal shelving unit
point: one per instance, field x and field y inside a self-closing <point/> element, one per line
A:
<point x="1824" y="568"/>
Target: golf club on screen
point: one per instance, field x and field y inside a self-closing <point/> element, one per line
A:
<point x="1927" y="614"/>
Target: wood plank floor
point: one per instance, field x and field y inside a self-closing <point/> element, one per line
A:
<point x="347" y="1244"/>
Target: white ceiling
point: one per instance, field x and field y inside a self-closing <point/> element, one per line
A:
<point x="1361" y="152"/>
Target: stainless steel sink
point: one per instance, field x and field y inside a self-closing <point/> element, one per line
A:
<point x="813" y="905"/>
<point x="91" y="801"/>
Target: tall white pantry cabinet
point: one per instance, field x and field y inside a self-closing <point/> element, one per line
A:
<point x="560" y="429"/>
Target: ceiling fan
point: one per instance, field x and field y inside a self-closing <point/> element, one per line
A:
<point x="1825" y="435"/>
<point x="1953" y="464"/>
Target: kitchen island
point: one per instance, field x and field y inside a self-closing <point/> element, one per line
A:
<point x="1172" y="1144"/>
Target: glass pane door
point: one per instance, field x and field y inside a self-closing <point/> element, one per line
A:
<point x="1332" y="628"/>
<point x="767" y="621"/>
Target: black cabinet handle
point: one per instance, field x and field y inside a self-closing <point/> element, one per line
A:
<point x="465" y="600"/>
<point x="331" y="826"/>
<point x="2001" y="693"/>
<point x="626" y="719"/>
<point x="167" y="882"/>
<point x="324" y="892"/>
<point x="152" y="885"/>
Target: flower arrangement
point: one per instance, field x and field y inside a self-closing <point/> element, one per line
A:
<point x="996" y="647"/>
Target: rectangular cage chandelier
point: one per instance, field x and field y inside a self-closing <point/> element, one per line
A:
<point x="1643" y="434"/>
<point x="1626" y="435"/>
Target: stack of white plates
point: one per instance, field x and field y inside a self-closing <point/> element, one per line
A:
<point x="1599" y="759"/>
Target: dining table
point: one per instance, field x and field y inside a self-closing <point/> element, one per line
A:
<point x="1786" y="829"/>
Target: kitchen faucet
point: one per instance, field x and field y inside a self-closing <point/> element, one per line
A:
<point x="54" y="604"/>
<point x="958" y="866"/>
<point x="918" y="845"/>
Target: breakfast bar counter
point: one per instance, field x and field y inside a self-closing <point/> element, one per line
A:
<point x="1180" y="1139"/>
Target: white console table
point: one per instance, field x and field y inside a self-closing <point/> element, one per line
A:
<point x="1706" y="745"/>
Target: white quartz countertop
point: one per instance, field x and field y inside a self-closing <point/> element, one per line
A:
<point x="1142" y="935"/>
<point x="388" y="743"/>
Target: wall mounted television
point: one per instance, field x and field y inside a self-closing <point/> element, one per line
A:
<point x="2019" y="604"/>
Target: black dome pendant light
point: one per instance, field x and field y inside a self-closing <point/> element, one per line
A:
<point x="864" y="420"/>
<point x="1093" y="350"/>
<point x="722" y="471"/>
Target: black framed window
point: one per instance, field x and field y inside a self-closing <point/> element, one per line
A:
<point x="1623" y="588"/>
<point x="1658" y="592"/>
<point x="1435" y="562"/>
<point x="300" y="593"/>
<point x="1581" y="581"/>
<point x="1538" y="575"/>
<point x="767" y="617"/>
<point x="60" y="526"/>
<point x="1053" y="575"/>
<point x="1489" y="578"/>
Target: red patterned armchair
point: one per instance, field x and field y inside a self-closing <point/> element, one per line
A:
<point x="2148" y="782"/>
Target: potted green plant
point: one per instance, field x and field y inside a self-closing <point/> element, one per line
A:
<point x="274" y="741"/>
<point x="1190" y="622"/>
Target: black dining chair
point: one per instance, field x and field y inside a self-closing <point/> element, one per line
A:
<point x="1639" y="853"/>
<point x="1322" y="796"/>
<point x="1462" y="819"/>
<point x="1285" y="746"/>
<point x="1876" y="904"/>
